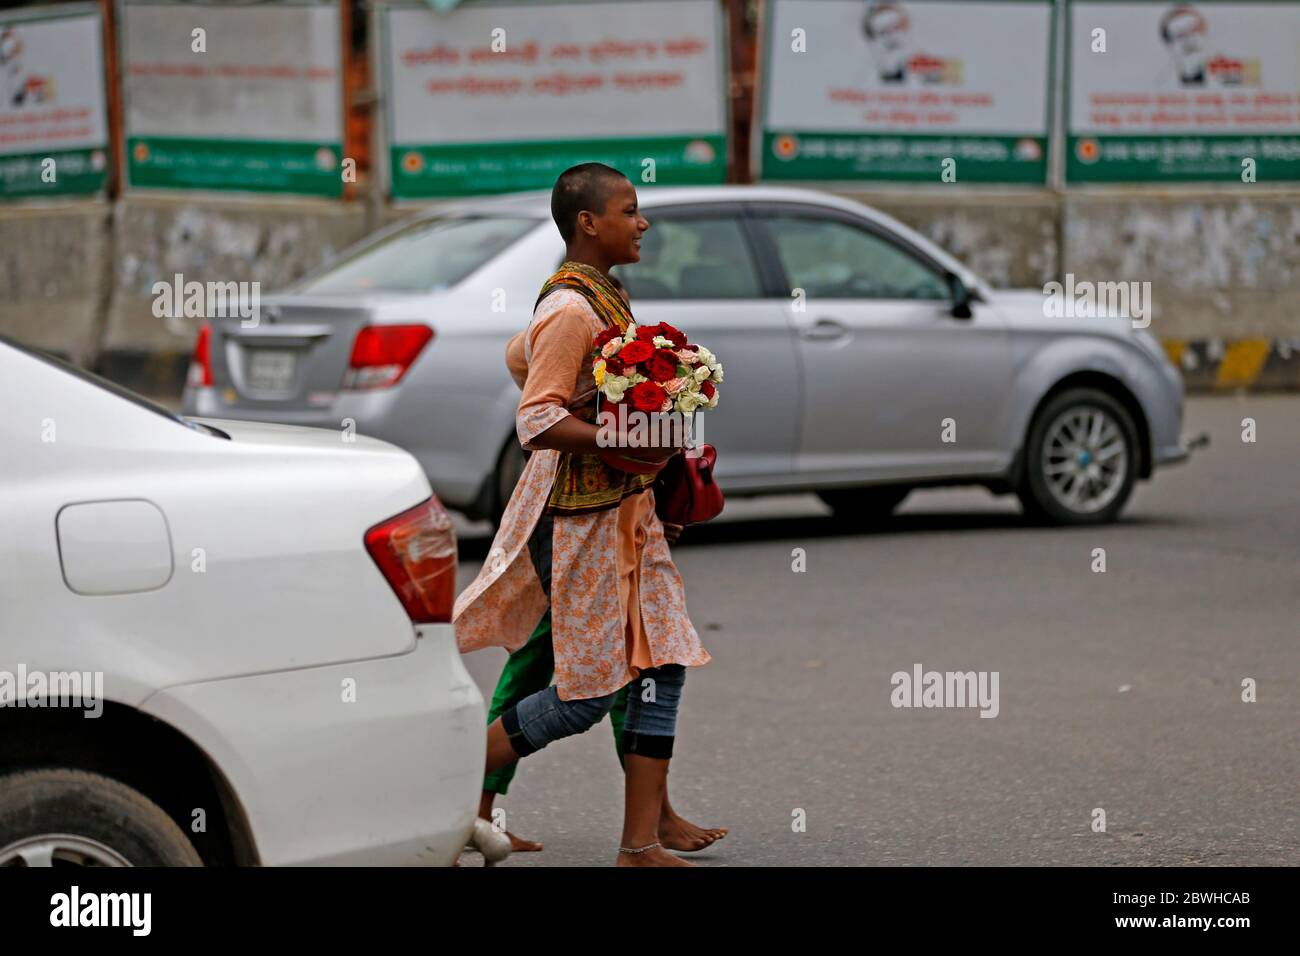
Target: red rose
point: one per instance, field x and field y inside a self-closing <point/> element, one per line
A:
<point x="673" y="335"/>
<point x="635" y="352"/>
<point x="707" y="389"/>
<point x="647" y="396"/>
<point x="663" y="366"/>
<point x="647" y="333"/>
<point x="613" y="366"/>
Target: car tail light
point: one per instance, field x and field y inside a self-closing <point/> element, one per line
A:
<point x="381" y="354"/>
<point x="416" y="551"/>
<point x="200" y="372"/>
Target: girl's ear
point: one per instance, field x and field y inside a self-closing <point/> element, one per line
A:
<point x="587" y="222"/>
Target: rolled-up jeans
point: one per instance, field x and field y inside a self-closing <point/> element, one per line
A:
<point x="648" y="730"/>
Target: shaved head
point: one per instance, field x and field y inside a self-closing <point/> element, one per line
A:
<point x="586" y="186"/>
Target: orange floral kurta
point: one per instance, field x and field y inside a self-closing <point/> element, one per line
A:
<point x="617" y="601"/>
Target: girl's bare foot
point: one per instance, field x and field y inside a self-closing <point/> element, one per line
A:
<point x="517" y="844"/>
<point x="656" y="857"/>
<point x="678" y="833"/>
<point x="520" y="845"/>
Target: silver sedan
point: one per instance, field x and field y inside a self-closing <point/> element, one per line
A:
<point x="862" y="360"/>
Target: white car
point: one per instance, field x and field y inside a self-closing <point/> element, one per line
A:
<point x="221" y="642"/>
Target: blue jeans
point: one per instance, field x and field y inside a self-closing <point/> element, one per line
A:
<point x="648" y="731"/>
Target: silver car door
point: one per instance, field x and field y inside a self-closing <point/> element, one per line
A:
<point x="698" y="272"/>
<point x="896" y="386"/>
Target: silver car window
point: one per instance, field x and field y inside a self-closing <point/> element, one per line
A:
<point x="430" y="255"/>
<point x="693" y="258"/>
<point x="832" y="259"/>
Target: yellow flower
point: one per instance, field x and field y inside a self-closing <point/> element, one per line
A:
<point x="598" y="370"/>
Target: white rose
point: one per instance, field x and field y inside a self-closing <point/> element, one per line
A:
<point x="660" y="342"/>
<point x="706" y="357"/>
<point x="614" y="387"/>
<point x="610" y="348"/>
<point x="716" y="377"/>
<point x="687" y="402"/>
<point x="630" y="334"/>
<point x="702" y="373"/>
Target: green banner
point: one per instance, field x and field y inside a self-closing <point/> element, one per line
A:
<point x="252" y="165"/>
<point x="55" y="173"/>
<point x="904" y="158"/>
<point x="463" y="169"/>
<point x="1222" y="158"/>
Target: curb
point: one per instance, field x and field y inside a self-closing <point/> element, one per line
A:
<point x="1218" y="365"/>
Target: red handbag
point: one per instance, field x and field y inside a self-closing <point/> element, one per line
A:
<point x="685" y="492"/>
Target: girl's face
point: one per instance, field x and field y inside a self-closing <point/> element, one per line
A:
<point x="620" y="226"/>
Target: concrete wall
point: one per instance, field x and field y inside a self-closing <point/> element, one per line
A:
<point x="1009" y="238"/>
<point x="262" y="241"/>
<point x="1220" y="265"/>
<point x="77" y="278"/>
<point x="55" y="272"/>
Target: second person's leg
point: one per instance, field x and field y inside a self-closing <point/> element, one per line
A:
<point x="526" y="671"/>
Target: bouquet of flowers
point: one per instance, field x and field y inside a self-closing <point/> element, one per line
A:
<point x="652" y="369"/>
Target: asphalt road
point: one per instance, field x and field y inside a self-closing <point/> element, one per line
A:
<point x="1119" y="690"/>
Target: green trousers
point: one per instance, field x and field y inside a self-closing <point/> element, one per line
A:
<point x="527" y="671"/>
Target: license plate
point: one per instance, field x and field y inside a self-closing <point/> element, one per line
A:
<point x="271" y="370"/>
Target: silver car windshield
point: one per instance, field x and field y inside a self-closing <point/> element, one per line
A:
<point x="427" y="256"/>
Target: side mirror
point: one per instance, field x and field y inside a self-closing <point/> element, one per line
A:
<point x="961" y="297"/>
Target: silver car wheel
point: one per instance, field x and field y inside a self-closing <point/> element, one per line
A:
<point x="61" y="849"/>
<point x="1085" y="458"/>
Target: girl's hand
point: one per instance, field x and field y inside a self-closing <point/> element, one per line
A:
<point x="672" y="532"/>
<point x="659" y="453"/>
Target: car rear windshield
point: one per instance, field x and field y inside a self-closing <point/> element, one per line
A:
<point x="424" y="257"/>
<point x="91" y="378"/>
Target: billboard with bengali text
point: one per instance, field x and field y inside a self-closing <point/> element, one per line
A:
<point x="495" y="97"/>
<point x="1193" y="92"/>
<point x="237" y="97"/>
<point x="53" y="127"/>
<point x="863" y="90"/>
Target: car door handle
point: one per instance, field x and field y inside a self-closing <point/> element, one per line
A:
<point x="824" y="329"/>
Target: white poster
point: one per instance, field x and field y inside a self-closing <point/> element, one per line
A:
<point x="1178" y="91"/>
<point x="491" y="97"/>
<point x="855" y="89"/>
<point x="53" y="131"/>
<point x="233" y="96"/>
